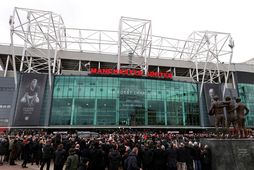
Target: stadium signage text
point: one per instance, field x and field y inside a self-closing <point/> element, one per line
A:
<point x="129" y="72"/>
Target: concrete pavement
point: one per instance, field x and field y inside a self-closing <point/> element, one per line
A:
<point x="6" y="166"/>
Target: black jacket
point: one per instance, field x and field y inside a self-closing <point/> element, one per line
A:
<point x="47" y="151"/>
<point x="97" y="160"/>
<point x="171" y="157"/>
<point x="159" y="159"/>
<point x="2" y="148"/>
<point x="114" y="160"/>
<point x="60" y="156"/>
<point x="131" y="162"/>
<point x="147" y="157"/>
<point x="197" y="153"/>
<point x="181" y="154"/>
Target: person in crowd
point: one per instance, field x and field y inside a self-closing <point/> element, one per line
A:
<point x="20" y="147"/>
<point x="197" y="156"/>
<point x="147" y="157"/>
<point x="189" y="155"/>
<point x="97" y="161"/>
<point x="2" y="150"/>
<point x="47" y="153"/>
<point x="241" y="111"/>
<point x="126" y="150"/>
<point x="159" y="157"/>
<point x="206" y="158"/>
<point x="26" y="151"/>
<point x="181" y="157"/>
<point x="6" y="149"/>
<point x="84" y="154"/>
<point x="72" y="160"/>
<point x="36" y="151"/>
<point x="13" y="150"/>
<point x="171" y="153"/>
<point x="77" y="149"/>
<point x="114" y="158"/>
<point x="59" y="157"/>
<point x="83" y="165"/>
<point x="131" y="162"/>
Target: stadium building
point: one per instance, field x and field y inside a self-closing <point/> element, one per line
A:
<point x="53" y="76"/>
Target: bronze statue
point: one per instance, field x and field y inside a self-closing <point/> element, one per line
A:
<point x="231" y="115"/>
<point x="240" y="110"/>
<point x="217" y="110"/>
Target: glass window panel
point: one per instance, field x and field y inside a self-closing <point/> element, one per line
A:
<point x="156" y="113"/>
<point x="106" y="112"/>
<point x="61" y="112"/>
<point x="127" y="99"/>
<point x="246" y="93"/>
<point x="84" y="111"/>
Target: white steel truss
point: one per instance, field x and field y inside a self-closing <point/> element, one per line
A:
<point x="87" y="40"/>
<point x="44" y="34"/>
<point x="209" y="52"/>
<point x="41" y="33"/>
<point x="135" y="40"/>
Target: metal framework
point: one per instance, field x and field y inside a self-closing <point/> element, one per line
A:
<point x="135" y="40"/>
<point x="44" y="34"/>
<point x="207" y="50"/>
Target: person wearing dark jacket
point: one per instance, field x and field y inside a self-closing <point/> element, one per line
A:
<point x="159" y="158"/>
<point x="13" y="151"/>
<point x="26" y="152"/>
<point x="147" y="158"/>
<point x="171" y="157"/>
<point x="59" y="157"/>
<point x="36" y="152"/>
<point x="189" y="155"/>
<point x="197" y="156"/>
<point x="5" y="145"/>
<point x="206" y="158"/>
<point x="83" y="164"/>
<point x="97" y="161"/>
<point x="47" y="152"/>
<point x="181" y="158"/>
<point x="131" y="162"/>
<point x="114" y="158"/>
<point x="2" y="151"/>
<point x="72" y="160"/>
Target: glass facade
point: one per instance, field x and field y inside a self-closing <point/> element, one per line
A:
<point x="112" y="101"/>
<point x="246" y="93"/>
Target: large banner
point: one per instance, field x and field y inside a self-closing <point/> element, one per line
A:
<point x="30" y="99"/>
<point x="212" y="90"/>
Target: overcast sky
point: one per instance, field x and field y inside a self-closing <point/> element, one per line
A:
<point x="170" y="18"/>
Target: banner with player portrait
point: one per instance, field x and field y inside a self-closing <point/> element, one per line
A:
<point x="210" y="91"/>
<point x="30" y="99"/>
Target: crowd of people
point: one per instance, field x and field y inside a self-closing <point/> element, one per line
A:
<point x="112" y="151"/>
<point x="126" y="149"/>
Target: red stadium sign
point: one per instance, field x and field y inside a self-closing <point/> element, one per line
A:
<point x="129" y="72"/>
